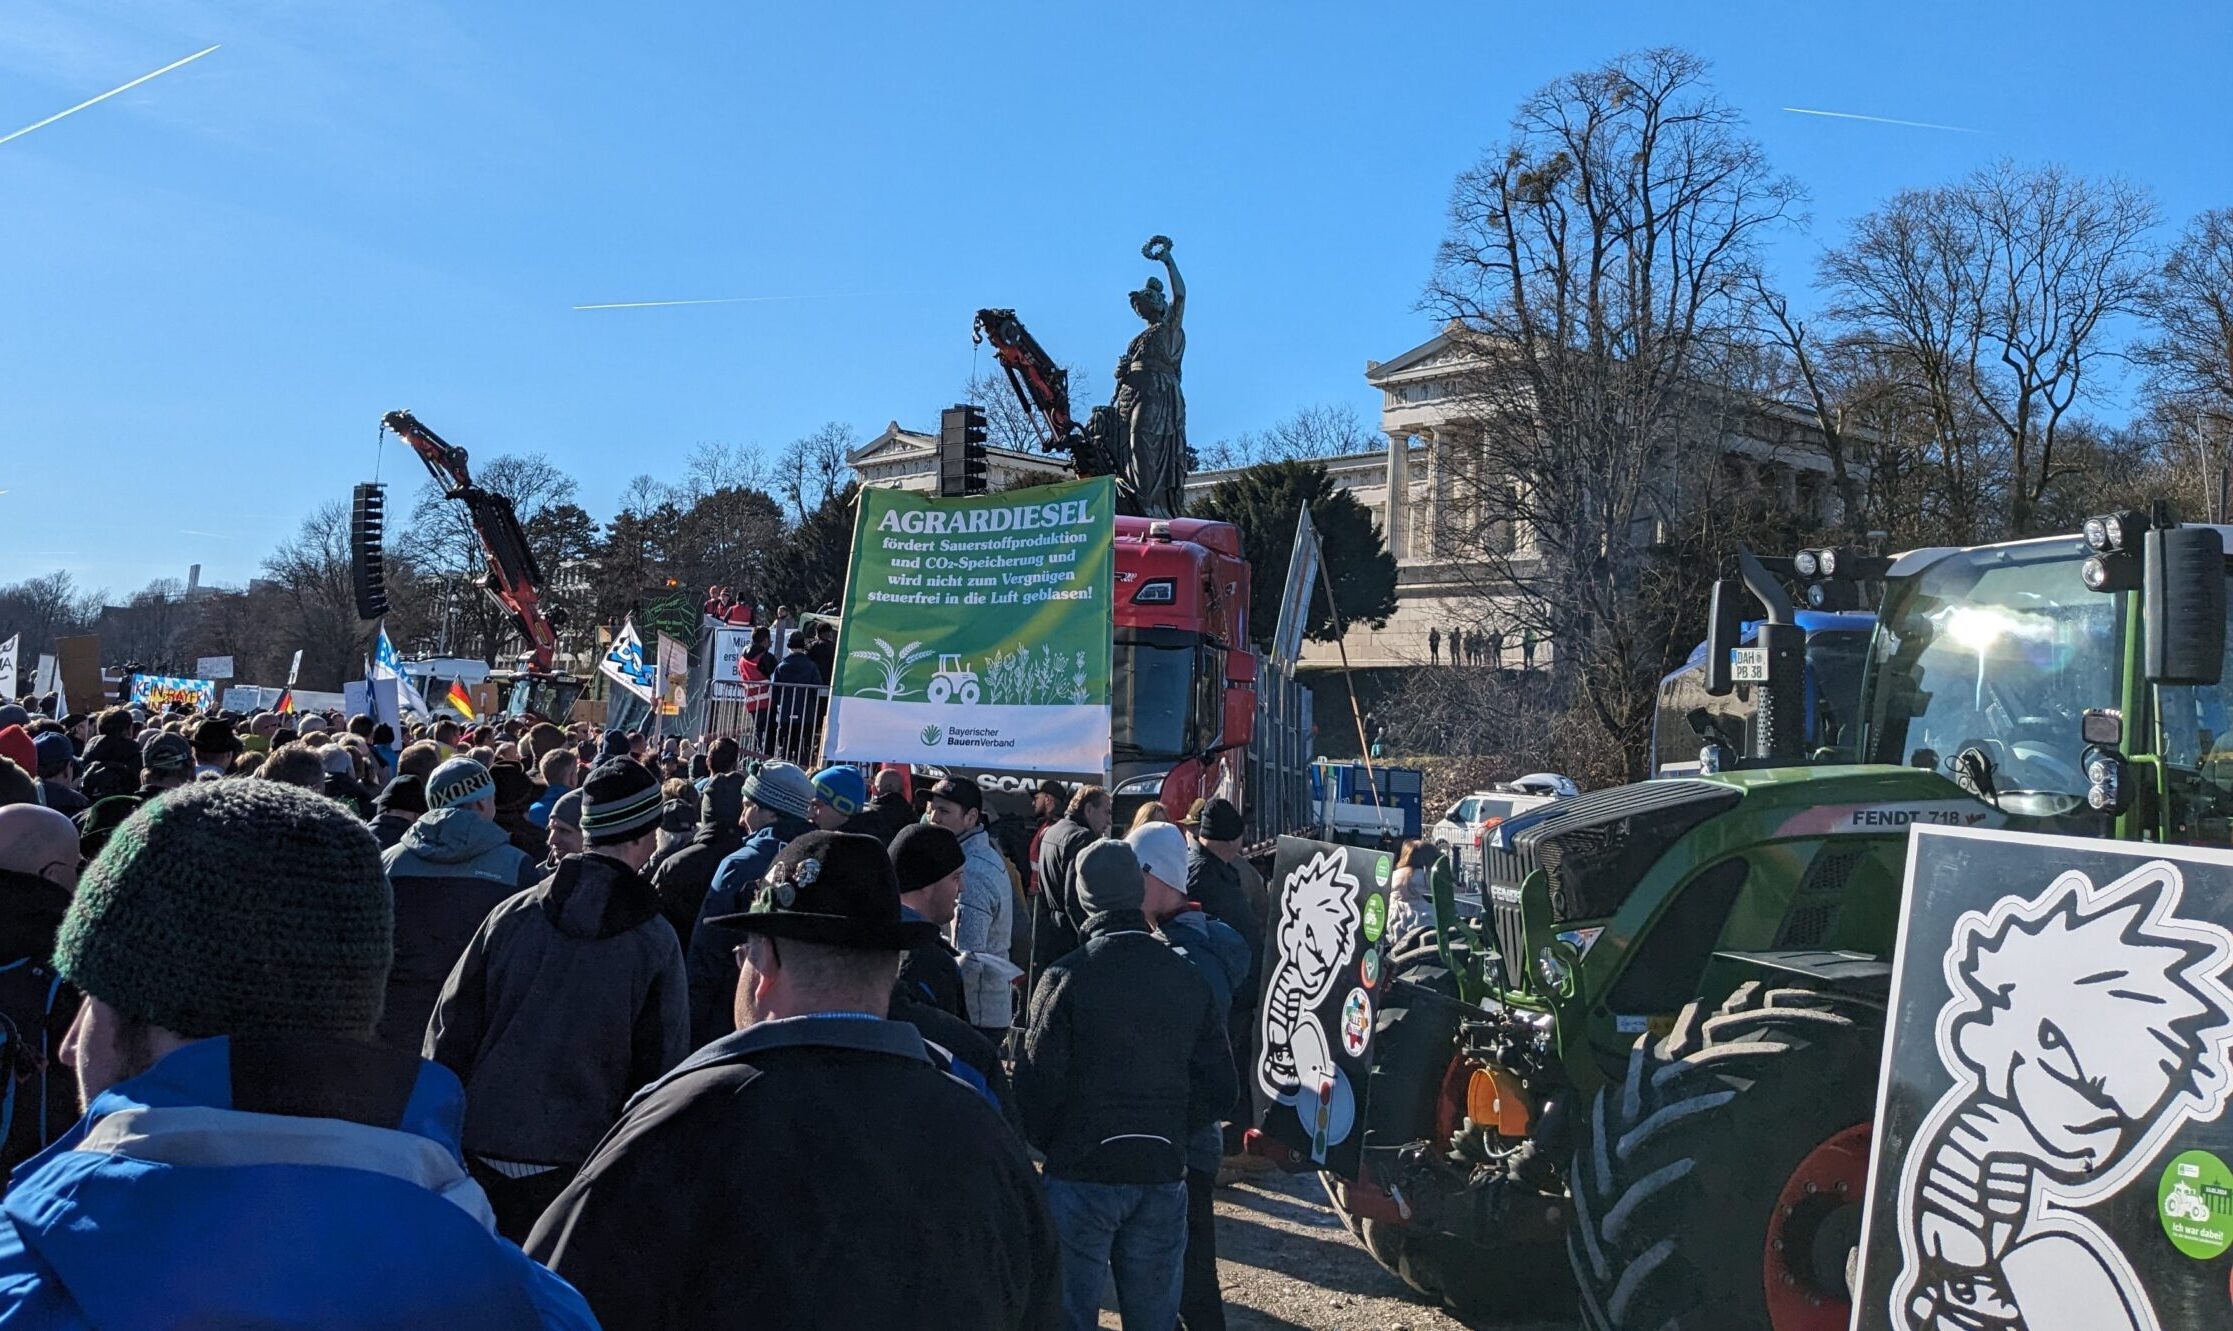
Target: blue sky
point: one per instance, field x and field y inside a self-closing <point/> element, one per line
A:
<point x="215" y="283"/>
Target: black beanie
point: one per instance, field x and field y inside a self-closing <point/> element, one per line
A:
<point x="619" y="800"/>
<point x="922" y="854"/>
<point x="404" y="794"/>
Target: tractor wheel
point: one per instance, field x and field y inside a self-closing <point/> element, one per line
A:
<point x="1414" y="1057"/>
<point x="969" y="693"/>
<point x="1718" y="1187"/>
<point x="941" y="688"/>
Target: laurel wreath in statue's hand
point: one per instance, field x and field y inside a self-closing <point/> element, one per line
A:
<point x="1157" y="249"/>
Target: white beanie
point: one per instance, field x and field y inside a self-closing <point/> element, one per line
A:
<point x="1161" y="850"/>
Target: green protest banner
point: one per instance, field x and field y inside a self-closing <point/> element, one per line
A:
<point x="976" y="632"/>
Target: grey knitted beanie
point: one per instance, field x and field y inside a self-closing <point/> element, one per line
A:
<point x="235" y="908"/>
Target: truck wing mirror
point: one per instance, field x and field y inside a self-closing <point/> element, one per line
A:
<point x="2183" y="577"/>
<point x="1725" y="631"/>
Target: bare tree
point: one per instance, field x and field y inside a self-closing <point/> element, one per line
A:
<point x="2189" y="358"/>
<point x="1990" y="298"/>
<point x="1007" y="424"/>
<point x="45" y="608"/>
<point x="316" y="600"/>
<point x="1325" y="430"/>
<point x="812" y="467"/>
<point x="442" y="545"/>
<point x="1594" y="276"/>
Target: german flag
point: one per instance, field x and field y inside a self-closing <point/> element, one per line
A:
<point x="286" y="701"/>
<point x="461" y="700"/>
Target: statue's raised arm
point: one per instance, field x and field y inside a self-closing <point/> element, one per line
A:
<point x="1158" y="250"/>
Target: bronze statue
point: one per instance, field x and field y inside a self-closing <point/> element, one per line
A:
<point x="1151" y="451"/>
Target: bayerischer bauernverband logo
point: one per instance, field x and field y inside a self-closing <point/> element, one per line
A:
<point x="930" y="734"/>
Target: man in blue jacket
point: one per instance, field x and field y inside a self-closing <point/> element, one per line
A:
<point x="250" y="1156"/>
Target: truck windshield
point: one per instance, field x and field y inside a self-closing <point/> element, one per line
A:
<point x="1984" y="664"/>
<point x="1151" y="694"/>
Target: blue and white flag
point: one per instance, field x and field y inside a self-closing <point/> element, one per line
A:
<point x="625" y="665"/>
<point x="387" y="664"/>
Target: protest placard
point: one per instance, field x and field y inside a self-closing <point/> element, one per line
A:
<point x="977" y="632"/>
<point x="160" y="691"/>
<point x="2051" y="1146"/>
<point x="1324" y="960"/>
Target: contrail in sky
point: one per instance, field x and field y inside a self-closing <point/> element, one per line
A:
<point x="1879" y="120"/>
<point x="106" y="95"/>
<point x="717" y="300"/>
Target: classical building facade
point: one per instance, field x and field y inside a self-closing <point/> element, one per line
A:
<point x="908" y="460"/>
<point x="1424" y="469"/>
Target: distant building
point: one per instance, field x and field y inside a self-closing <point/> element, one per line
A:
<point x="908" y="460"/>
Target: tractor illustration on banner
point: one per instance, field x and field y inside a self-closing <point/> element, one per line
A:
<point x="953" y="683"/>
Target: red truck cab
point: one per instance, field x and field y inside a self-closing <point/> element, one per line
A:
<point x="1183" y="691"/>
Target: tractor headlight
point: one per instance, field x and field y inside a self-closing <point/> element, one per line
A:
<point x="1554" y="970"/>
<point x="2106" y="791"/>
<point x="1827" y="561"/>
<point x="1808" y="563"/>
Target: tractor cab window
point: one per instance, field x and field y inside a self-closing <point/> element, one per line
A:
<point x="1983" y="666"/>
<point x="2195" y="740"/>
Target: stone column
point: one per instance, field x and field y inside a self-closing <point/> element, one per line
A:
<point x="1432" y="537"/>
<point x="1396" y="524"/>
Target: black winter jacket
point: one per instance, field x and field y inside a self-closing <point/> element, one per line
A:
<point x="929" y="974"/>
<point x="569" y="999"/>
<point x="1124" y="1057"/>
<point x="448" y="870"/>
<point x="818" y="1172"/>
<point x="39" y="1005"/>
<point x="1054" y="915"/>
<point x="1216" y="887"/>
<point x="683" y="877"/>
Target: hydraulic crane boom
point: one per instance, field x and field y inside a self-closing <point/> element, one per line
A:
<point x="512" y="580"/>
<point x="1043" y="389"/>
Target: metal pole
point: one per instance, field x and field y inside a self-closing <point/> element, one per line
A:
<point x="1341" y="643"/>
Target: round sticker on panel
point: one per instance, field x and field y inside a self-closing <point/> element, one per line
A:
<point x="1376" y="917"/>
<point x="1382" y="869"/>
<point x="2194" y="1200"/>
<point x="1369" y="971"/>
<point x="1356" y="1022"/>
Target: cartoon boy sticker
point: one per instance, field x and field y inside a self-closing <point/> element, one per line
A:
<point x="1316" y="937"/>
<point x="2085" y="1026"/>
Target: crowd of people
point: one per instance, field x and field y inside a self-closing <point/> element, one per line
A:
<point x="315" y="1023"/>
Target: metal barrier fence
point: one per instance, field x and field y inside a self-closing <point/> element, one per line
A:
<point x="785" y="721"/>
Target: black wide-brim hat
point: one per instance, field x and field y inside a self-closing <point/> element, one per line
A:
<point x="835" y="889"/>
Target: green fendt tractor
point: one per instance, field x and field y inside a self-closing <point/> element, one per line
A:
<point x="1651" y="1055"/>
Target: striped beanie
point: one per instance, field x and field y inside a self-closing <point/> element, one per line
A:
<point x="458" y="781"/>
<point x="620" y="802"/>
<point x="235" y="908"/>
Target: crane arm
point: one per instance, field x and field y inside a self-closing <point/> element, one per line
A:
<point x="1041" y="386"/>
<point x="513" y="581"/>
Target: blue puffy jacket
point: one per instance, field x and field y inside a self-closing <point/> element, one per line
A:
<point x="1222" y="956"/>
<point x="338" y="1201"/>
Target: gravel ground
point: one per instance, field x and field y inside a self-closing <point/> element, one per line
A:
<point x="1287" y="1264"/>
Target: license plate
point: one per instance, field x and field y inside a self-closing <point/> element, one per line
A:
<point x="1749" y="665"/>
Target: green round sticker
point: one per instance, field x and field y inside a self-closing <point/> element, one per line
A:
<point x="1383" y="869"/>
<point x="2194" y="1200"/>
<point x="1376" y="917"/>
